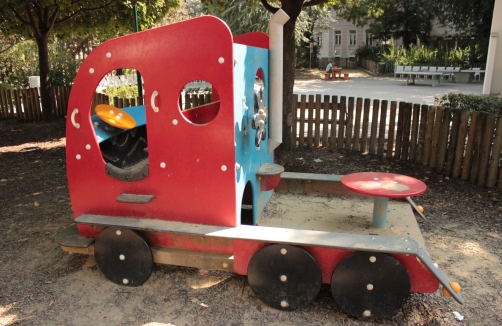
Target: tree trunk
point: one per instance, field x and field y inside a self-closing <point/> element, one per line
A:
<point x="293" y="9"/>
<point x="45" y="80"/>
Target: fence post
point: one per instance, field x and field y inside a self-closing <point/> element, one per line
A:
<point x="399" y="133"/>
<point x="450" y="154"/>
<point x="466" y="168"/>
<point x="381" y="131"/>
<point x="350" y="124"/>
<point x="414" y="132"/>
<point x="443" y="140"/>
<point x="486" y="144"/>
<point x="334" y="112"/>
<point x="476" y="162"/>
<point x="294" y="119"/>
<point x="317" y="131"/>
<point x="497" y="147"/>
<point x="310" y="121"/>
<point x="408" y="109"/>
<point x="341" y="122"/>
<point x="392" y="127"/>
<point x="366" y="122"/>
<point x="435" y="136"/>
<point x="421" y="133"/>
<point x="357" y="124"/>
<point x="21" y="115"/>
<point x="325" y="121"/>
<point x="374" y="126"/>
<point x="301" y="135"/>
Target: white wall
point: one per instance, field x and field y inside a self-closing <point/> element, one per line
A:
<point x="493" y="77"/>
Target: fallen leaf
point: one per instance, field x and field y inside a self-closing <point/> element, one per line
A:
<point x="36" y="204"/>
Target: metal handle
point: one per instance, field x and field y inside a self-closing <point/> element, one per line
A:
<point x="152" y="101"/>
<point x="75" y="124"/>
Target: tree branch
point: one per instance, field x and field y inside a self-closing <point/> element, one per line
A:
<point x="268" y="6"/>
<point x="33" y="23"/>
<point x="18" y="16"/>
<point x="76" y="13"/>
<point x="55" y="14"/>
<point x="313" y="3"/>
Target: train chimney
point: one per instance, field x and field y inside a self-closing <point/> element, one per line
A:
<point x="276" y="76"/>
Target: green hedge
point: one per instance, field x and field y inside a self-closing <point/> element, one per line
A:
<point x="491" y="104"/>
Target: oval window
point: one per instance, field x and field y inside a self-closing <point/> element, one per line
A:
<point x="199" y="102"/>
<point x="119" y="121"/>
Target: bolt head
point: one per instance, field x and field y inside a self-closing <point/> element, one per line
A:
<point x="372" y="259"/>
<point x="125" y="281"/>
<point x="284" y="251"/>
<point x="284" y="304"/>
<point x="118" y="232"/>
<point x="284" y="278"/>
<point x="122" y="257"/>
<point x="367" y="313"/>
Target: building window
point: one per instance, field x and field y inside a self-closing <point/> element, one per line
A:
<point x="352" y="37"/>
<point x="319" y="41"/>
<point x="352" y="53"/>
<point x="338" y="37"/>
<point x="336" y="53"/>
<point x="369" y="38"/>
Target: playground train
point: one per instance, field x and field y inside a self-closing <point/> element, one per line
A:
<point x="162" y="183"/>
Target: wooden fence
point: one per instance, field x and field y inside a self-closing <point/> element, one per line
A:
<point x="24" y="105"/>
<point x="458" y="143"/>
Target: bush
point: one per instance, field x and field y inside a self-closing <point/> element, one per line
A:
<point x="123" y="91"/>
<point x="491" y="104"/>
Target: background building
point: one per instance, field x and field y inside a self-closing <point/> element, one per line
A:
<point x="339" y="42"/>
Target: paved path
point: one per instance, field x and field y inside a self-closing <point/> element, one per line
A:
<point x="384" y="88"/>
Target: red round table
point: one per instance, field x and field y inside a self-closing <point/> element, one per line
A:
<point x="383" y="186"/>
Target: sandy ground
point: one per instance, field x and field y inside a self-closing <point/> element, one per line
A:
<point x="42" y="285"/>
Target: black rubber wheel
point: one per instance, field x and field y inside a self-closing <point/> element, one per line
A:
<point x="370" y="285"/>
<point x="284" y="277"/>
<point x="123" y="256"/>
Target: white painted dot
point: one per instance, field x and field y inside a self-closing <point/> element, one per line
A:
<point x="223" y="168"/>
<point x="221" y="60"/>
<point x="118" y="232"/>
<point x="237" y="166"/>
<point x="374" y="179"/>
<point x="88" y="147"/>
<point x="284" y="251"/>
<point x="175" y="122"/>
<point x="117" y="117"/>
<point x="120" y="114"/>
<point x="78" y="156"/>
<point x="91" y="70"/>
<point x="111" y="112"/>
<point x="284" y="278"/>
<point x="96" y="123"/>
<point x="225" y="265"/>
<point x="108" y="55"/>
<point x="122" y="257"/>
<point x="125" y="281"/>
<point x="284" y="304"/>
<point x="372" y="259"/>
<point x="436" y="265"/>
<point x="367" y="313"/>
<point x="369" y="287"/>
<point x="163" y="165"/>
